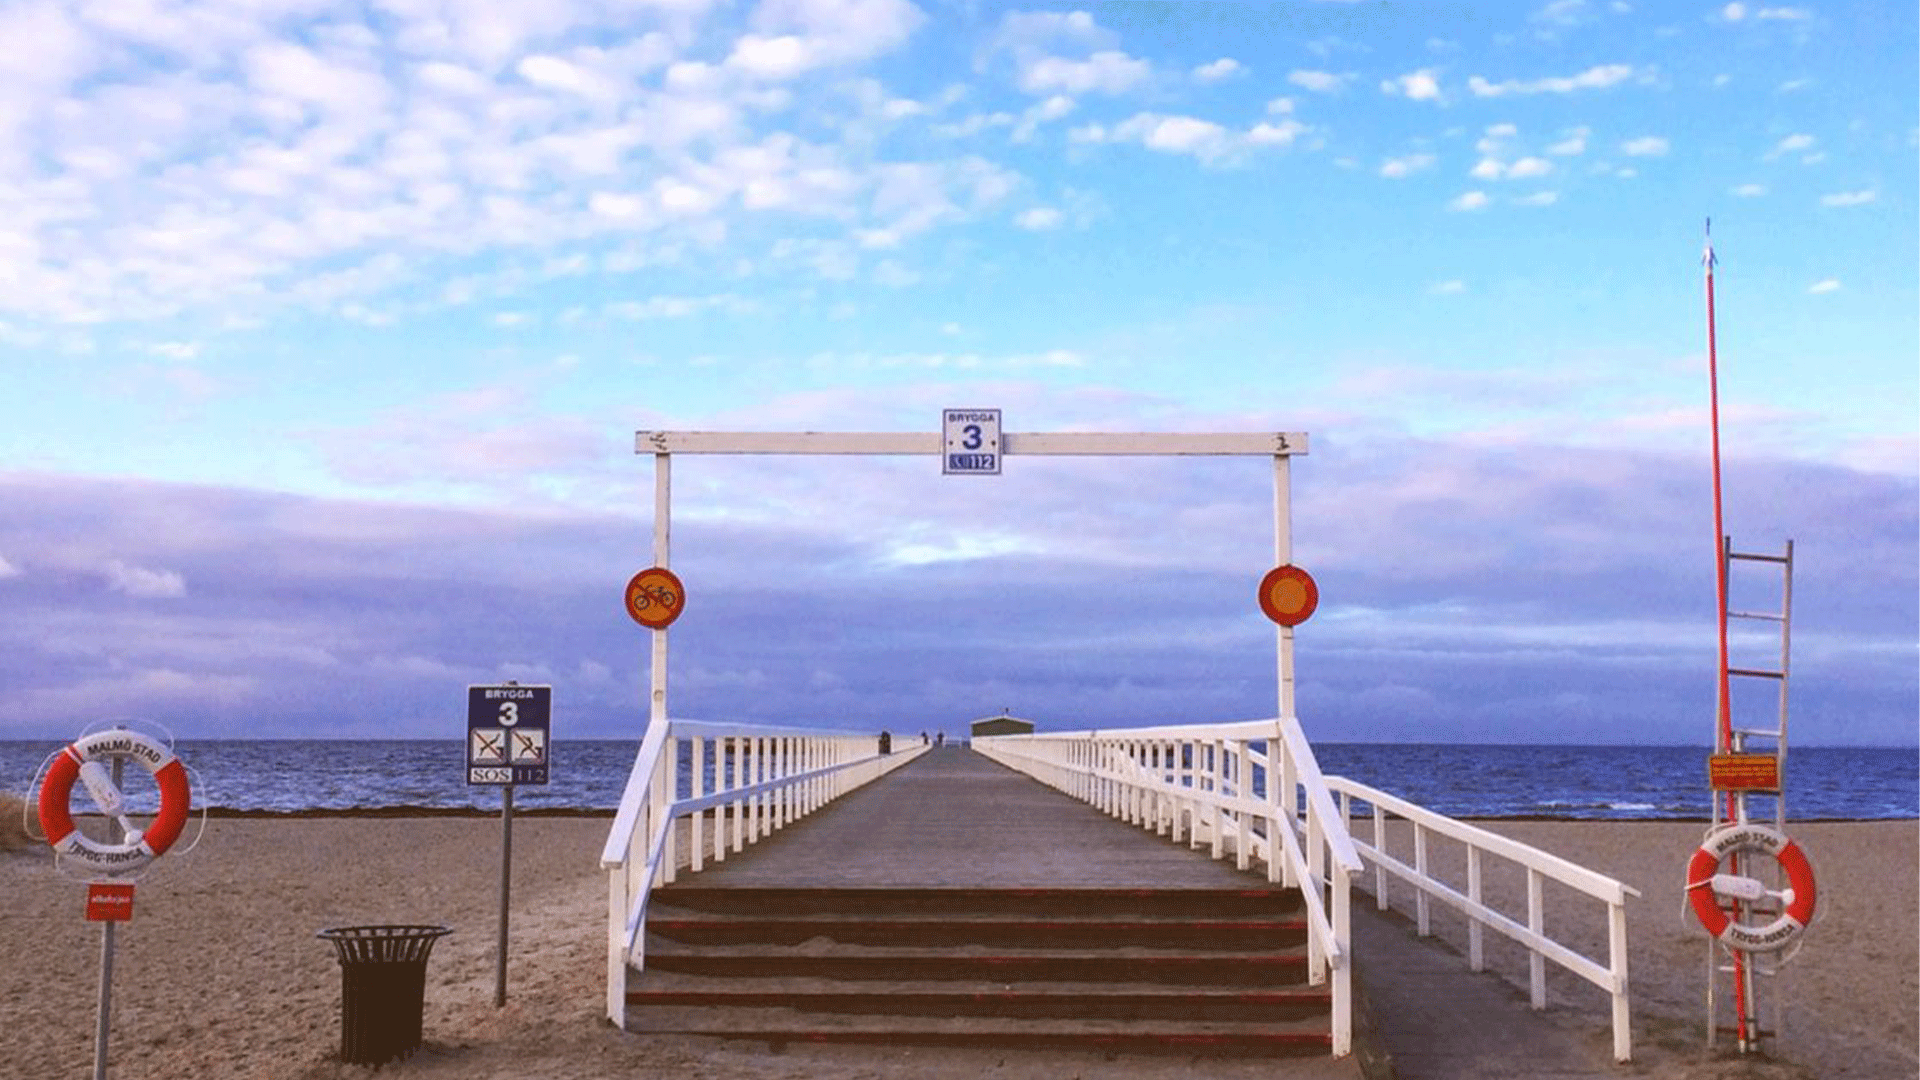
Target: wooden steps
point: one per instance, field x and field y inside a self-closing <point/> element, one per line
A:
<point x="1186" y="971"/>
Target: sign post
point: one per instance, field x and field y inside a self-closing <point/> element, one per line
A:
<point x="509" y="730"/>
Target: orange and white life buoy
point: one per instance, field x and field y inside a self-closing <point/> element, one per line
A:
<point x="1706" y="885"/>
<point x="84" y="761"/>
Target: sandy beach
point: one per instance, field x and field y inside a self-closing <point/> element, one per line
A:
<point x="220" y="974"/>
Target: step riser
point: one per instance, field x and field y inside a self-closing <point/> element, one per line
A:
<point x="1252" y="1007"/>
<point x="1226" y="937"/>
<point x="1180" y="905"/>
<point x="1176" y="971"/>
<point x="1174" y="1043"/>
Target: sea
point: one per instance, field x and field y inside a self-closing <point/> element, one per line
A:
<point x="1468" y="780"/>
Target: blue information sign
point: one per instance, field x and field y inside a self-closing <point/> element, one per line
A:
<point x="508" y="729"/>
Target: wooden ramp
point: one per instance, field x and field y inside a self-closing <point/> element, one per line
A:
<point x="958" y="903"/>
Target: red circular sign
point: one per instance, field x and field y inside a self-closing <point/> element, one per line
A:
<point x="1288" y="595"/>
<point x="655" y="597"/>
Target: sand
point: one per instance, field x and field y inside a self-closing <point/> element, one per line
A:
<point x="220" y="975"/>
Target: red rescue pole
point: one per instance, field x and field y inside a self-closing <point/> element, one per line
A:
<point x="1723" y="735"/>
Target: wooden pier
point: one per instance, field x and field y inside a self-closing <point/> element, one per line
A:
<point x="956" y="902"/>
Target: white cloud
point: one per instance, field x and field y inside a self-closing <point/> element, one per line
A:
<point x="1175" y="134"/>
<point x="1397" y="168"/>
<point x="1528" y="168"/>
<point x="1575" y="142"/>
<point x="1040" y="219"/>
<point x="1737" y="12"/>
<point x="1850" y="198"/>
<point x="822" y="33"/>
<point x="1826" y="285"/>
<point x="1281" y="134"/>
<point x="1792" y="144"/>
<point x="1538" y="198"/>
<point x="1471" y="200"/>
<point x="144" y="584"/>
<point x="1320" y="82"/>
<point x="176" y="350"/>
<point x="1487" y="169"/>
<point x="1598" y="77"/>
<point x="7" y="569"/>
<point x="1108" y="72"/>
<point x="1748" y="191"/>
<point x="555" y="73"/>
<point x="1421" y="85"/>
<point x="1450" y="287"/>
<point x="1645" y="146"/>
<point x="1224" y="68"/>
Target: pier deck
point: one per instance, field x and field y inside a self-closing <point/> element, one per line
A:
<point x="956" y="819"/>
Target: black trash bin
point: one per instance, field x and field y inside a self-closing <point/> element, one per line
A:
<point x="383" y="989"/>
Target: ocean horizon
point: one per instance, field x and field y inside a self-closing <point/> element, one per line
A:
<point x="1468" y="780"/>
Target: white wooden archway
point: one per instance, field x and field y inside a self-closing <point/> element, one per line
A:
<point x="1281" y="446"/>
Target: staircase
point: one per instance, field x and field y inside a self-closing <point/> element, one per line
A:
<point x="1180" y="970"/>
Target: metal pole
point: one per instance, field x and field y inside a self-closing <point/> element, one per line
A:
<point x="662" y="524"/>
<point x="104" y="1014"/>
<point x="506" y="894"/>
<point x="1282" y="555"/>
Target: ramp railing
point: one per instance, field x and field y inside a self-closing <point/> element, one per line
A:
<point x="1213" y="785"/>
<point x="716" y="788"/>
<point x="1539" y="867"/>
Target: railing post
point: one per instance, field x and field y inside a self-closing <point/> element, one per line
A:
<point x="1536" y="922"/>
<point x="657" y="808"/>
<point x="1379" y="868"/>
<point x="697" y="782"/>
<point x="1475" y="959"/>
<point x="1343" y="975"/>
<point x="1617" y="960"/>
<point x="618" y="905"/>
<point x="1420" y="905"/>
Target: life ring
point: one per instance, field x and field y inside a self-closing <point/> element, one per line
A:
<point x="1705" y="886"/>
<point x="83" y="761"/>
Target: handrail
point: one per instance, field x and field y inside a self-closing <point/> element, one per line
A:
<point x="1208" y="783"/>
<point x="763" y="777"/>
<point x="1611" y="977"/>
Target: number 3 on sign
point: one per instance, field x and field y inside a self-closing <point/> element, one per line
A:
<point x="509" y="714"/>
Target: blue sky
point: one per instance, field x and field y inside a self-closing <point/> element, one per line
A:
<point x="327" y="327"/>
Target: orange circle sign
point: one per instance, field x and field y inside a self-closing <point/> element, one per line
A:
<point x="655" y="597"/>
<point x="1288" y="595"/>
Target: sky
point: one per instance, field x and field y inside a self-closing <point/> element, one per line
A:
<point x="327" y="327"/>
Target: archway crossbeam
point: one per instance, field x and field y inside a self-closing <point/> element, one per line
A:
<point x="1281" y="446"/>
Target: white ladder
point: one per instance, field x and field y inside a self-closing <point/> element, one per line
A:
<point x="1741" y="968"/>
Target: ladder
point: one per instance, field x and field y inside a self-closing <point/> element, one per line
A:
<point x="1753" y="671"/>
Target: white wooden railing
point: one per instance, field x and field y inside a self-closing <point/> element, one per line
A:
<point x="733" y="784"/>
<point x="1207" y="784"/>
<point x="1532" y="934"/>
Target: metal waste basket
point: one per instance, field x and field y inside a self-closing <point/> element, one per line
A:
<point x="383" y="984"/>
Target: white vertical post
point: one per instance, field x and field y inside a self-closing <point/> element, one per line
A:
<point x="1617" y="960"/>
<point x="617" y="947"/>
<point x="1537" y="922"/>
<point x="1476" y="958"/>
<point x="1343" y="975"/>
<point x="1379" y="867"/>
<point x="1282" y="555"/>
<point x="1420" y="905"/>
<point x="696" y="820"/>
<point x="662" y="536"/>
